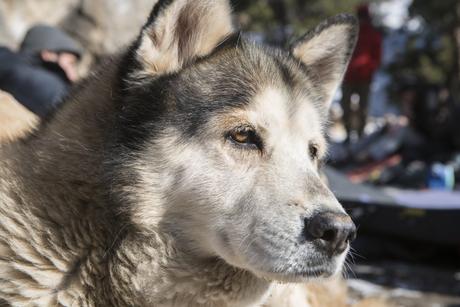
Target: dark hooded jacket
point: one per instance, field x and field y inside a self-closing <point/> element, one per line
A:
<point x="38" y="85"/>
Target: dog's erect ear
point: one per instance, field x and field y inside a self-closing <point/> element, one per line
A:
<point x="179" y="31"/>
<point x="326" y="51"/>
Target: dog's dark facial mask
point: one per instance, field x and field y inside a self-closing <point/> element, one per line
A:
<point x="227" y="136"/>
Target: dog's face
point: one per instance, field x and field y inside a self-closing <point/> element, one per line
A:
<point x="229" y="136"/>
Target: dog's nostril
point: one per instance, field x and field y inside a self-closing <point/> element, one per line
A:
<point x="333" y="230"/>
<point x="329" y="235"/>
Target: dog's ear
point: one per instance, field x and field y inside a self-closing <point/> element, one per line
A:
<point x="179" y="31"/>
<point x="326" y="51"/>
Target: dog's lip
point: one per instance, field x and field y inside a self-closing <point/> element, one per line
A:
<point x="297" y="276"/>
<point x="314" y="273"/>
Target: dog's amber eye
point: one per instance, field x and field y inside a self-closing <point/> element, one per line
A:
<point x="245" y="136"/>
<point x="240" y="136"/>
<point x="313" y="150"/>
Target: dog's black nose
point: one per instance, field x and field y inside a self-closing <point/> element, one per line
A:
<point x="332" y="230"/>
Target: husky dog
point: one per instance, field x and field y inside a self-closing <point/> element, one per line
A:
<point x="183" y="173"/>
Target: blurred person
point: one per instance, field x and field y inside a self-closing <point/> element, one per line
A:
<point x="40" y="74"/>
<point x="365" y="61"/>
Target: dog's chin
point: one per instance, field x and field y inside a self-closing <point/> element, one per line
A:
<point x="300" y="275"/>
<point x="300" y="272"/>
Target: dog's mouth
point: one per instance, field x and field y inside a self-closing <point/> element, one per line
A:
<point x="317" y="273"/>
<point x="299" y="275"/>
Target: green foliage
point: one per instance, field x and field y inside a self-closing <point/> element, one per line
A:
<point x="440" y="14"/>
<point x="297" y="16"/>
<point x="430" y="63"/>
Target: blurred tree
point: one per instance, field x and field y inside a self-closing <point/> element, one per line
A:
<point x="444" y="18"/>
<point x="427" y="58"/>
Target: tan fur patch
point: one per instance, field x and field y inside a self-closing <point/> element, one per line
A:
<point x="15" y="120"/>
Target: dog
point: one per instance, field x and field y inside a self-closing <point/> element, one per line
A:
<point x="183" y="172"/>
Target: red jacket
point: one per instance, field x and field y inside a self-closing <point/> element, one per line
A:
<point x="367" y="55"/>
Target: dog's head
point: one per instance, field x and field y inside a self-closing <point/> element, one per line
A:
<point x="224" y="137"/>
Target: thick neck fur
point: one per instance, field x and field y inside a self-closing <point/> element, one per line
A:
<point x="64" y="242"/>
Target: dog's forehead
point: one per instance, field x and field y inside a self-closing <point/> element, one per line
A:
<point x="280" y="109"/>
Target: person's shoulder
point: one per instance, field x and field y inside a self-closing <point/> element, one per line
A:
<point x="8" y="57"/>
<point x="6" y="52"/>
<point x="5" y="49"/>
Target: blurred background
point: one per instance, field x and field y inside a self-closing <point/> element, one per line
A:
<point x="394" y="160"/>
